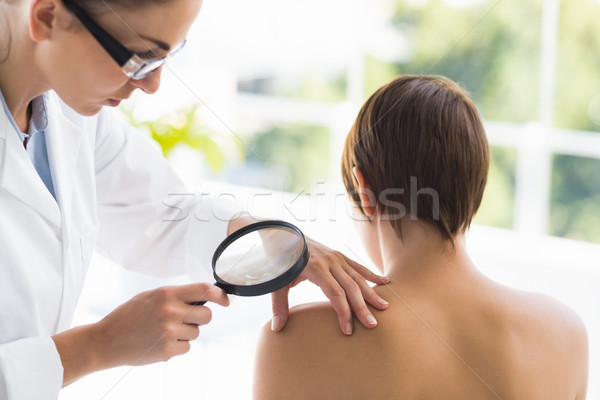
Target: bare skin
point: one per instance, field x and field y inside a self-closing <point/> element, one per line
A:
<point x="153" y="326"/>
<point x="51" y="50"/>
<point x="341" y="279"/>
<point x="449" y="333"/>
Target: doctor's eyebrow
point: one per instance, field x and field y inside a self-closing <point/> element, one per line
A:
<point x="162" y="45"/>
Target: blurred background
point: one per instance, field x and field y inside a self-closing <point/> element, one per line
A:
<point x="259" y="104"/>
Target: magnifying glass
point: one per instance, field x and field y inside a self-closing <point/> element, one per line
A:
<point x="259" y="258"/>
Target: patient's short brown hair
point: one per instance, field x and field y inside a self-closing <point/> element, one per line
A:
<point x="422" y="148"/>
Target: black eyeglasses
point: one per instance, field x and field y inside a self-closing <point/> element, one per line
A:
<point x="131" y="63"/>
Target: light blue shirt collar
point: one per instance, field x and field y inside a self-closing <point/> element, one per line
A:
<point x="39" y="115"/>
<point x="37" y="150"/>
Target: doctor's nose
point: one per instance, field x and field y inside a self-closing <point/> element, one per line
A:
<point x="150" y="83"/>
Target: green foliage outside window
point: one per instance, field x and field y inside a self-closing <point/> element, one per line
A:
<point x="497" y="207"/>
<point x="303" y="150"/>
<point x="492" y="48"/>
<point x="183" y="128"/>
<point x="577" y="100"/>
<point x="495" y="56"/>
<point x="575" y="207"/>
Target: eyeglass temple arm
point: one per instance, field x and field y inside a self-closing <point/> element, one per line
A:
<point x="116" y="50"/>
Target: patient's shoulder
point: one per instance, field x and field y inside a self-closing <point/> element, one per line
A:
<point x="294" y="362"/>
<point x="309" y="326"/>
<point x="506" y="332"/>
<point x="563" y="323"/>
<point x="555" y="336"/>
<point x="307" y="320"/>
<point x="535" y="311"/>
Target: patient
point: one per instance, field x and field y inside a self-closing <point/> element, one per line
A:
<point x="415" y="166"/>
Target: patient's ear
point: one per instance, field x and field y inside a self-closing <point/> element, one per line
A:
<point x="368" y="202"/>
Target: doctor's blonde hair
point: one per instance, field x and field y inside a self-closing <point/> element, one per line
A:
<point x="5" y="28"/>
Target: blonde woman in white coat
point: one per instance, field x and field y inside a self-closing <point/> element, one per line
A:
<point x="73" y="179"/>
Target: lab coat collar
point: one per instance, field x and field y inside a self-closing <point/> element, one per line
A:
<point x="63" y="139"/>
<point x="18" y="175"/>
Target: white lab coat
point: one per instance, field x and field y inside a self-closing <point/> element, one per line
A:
<point x="116" y="193"/>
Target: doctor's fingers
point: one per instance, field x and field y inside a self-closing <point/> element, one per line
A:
<point x="202" y="292"/>
<point x="196" y="315"/>
<point x="365" y="272"/>
<point x="281" y="307"/>
<point x="368" y="294"/>
<point x="188" y="332"/>
<point x="353" y="288"/>
<point x="336" y="294"/>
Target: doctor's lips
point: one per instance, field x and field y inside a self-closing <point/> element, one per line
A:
<point x="114" y="102"/>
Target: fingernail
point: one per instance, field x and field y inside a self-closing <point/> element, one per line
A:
<point x="275" y="323"/>
<point x="371" y="320"/>
<point x="386" y="279"/>
<point x="383" y="302"/>
<point x="348" y="328"/>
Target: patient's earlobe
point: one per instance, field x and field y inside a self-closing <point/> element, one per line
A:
<point x="368" y="201"/>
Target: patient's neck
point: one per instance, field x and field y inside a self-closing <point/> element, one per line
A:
<point x="422" y="253"/>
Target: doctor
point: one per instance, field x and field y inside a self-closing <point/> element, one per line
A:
<point x="73" y="179"/>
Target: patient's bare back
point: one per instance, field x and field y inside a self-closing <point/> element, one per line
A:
<point x="444" y="340"/>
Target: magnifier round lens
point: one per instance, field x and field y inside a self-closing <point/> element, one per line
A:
<point x="260" y="258"/>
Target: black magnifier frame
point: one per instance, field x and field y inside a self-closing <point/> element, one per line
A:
<point x="271" y="285"/>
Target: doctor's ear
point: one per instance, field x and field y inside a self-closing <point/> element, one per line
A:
<point x="368" y="202"/>
<point x="43" y="18"/>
